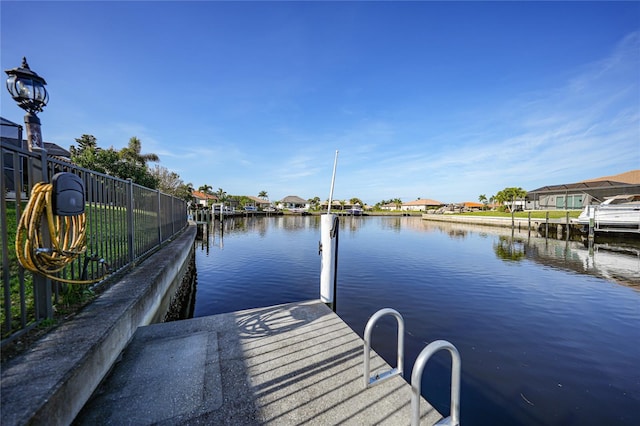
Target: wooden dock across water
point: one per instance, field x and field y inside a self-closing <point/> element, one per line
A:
<point x="297" y="363"/>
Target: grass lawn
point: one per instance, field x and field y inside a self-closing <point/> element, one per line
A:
<point x="106" y="231"/>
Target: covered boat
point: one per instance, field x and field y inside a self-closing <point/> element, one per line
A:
<point x="619" y="213"/>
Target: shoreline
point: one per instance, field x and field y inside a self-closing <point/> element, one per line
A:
<point x="505" y="222"/>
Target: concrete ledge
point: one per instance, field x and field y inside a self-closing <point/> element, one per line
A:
<point x="504" y="222"/>
<point x="51" y="382"/>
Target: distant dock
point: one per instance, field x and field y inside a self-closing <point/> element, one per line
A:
<point x="207" y="215"/>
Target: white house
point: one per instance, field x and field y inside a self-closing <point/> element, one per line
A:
<point x="293" y="202"/>
<point x="420" y="205"/>
<point x="204" y="199"/>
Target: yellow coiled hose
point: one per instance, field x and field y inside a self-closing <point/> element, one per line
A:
<point x="67" y="234"/>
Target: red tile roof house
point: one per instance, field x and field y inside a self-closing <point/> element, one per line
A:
<point x="204" y="200"/>
<point x="421" y="205"/>
<point x="472" y="205"/>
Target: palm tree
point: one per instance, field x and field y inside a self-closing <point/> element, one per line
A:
<point x="186" y="191"/>
<point x="263" y="195"/>
<point x="508" y="197"/>
<point x="397" y="202"/>
<point x="483" y="199"/>
<point x="314" y="202"/>
<point x="205" y="188"/>
<point x="222" y="196"/>
<point x="133" y="154"/>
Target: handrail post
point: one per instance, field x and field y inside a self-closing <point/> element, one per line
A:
<point x="416" y="379"/>
<point x="367" y="348"/>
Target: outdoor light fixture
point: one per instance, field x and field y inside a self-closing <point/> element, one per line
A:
<point x="27" y="89"/>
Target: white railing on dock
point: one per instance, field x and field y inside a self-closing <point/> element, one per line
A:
<point x="416" y="376"/>
<point x="380" y="377"/>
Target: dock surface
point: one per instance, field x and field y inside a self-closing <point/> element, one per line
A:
<point x="291" y="364"/>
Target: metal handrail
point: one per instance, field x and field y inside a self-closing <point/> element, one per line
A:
<point x="380" y="377"/>
<point x="416" y="378"/>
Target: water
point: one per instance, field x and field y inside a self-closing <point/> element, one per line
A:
<point x="548" y="332"/>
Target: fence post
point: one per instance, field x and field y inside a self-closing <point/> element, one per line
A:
<point x="42" y="293"/>
<point x="5" y="256"/>
<point x="159" y="219"/>
<point x="173" y="218"/>
<point x="130" y="222"/>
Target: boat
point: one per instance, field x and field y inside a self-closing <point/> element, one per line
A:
<point x="355" y="211"/>
<point x="616" y="214"/>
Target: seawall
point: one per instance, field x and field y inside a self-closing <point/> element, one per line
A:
<point x="505" y="222"/>
<point x="52" y="381"/>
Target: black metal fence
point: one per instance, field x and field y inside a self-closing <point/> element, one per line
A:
<point x="125" y="222"/>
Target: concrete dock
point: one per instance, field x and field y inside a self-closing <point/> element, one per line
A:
<point x="291" y="364"/>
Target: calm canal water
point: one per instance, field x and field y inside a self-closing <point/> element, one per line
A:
<point x="548" y="332"/>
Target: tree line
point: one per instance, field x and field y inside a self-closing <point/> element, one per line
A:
<point x="507" y="197"/>
<point x="128" y="163"/>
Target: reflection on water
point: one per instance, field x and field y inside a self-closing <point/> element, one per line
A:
<point x="616" y="259"/>
<point x="546" y="333"/>
<point x="508" y="248"/>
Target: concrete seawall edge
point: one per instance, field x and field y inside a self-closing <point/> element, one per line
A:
<point x="51" y="382"/>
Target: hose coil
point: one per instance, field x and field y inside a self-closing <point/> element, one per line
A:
<point x="67" y="235"/>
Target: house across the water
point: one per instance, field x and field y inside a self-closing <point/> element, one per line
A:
<point x="294" y="204"/>
<point x="580" y="194"/>
<point x="420" y="205"/>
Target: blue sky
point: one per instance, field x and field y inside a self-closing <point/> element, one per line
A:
<point x="422" y="99"/>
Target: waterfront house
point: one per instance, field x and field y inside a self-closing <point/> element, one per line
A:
<point x="389" y="207"/>
<point x="420" y="205"/>
<point x="580" y="194"/>
<point x="472" y="205"/>
<point x="260" y="203"/>
<point x="293" y="203"/>
<point x="338" y="205"/>
<point x="335" y="205"/>
<point x="203" y="199"/>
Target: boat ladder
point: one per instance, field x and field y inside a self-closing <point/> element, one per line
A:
<point x="416" y="376"/>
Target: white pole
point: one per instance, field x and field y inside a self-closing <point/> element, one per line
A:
<point x="328" y="246"/>
<point x="327" y="269"/>
<point x="333" y="181"/>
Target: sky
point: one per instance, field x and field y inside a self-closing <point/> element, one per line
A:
<point x="439" y="100"/>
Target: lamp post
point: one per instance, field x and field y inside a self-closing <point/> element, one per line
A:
<point x="27" y="89"/>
